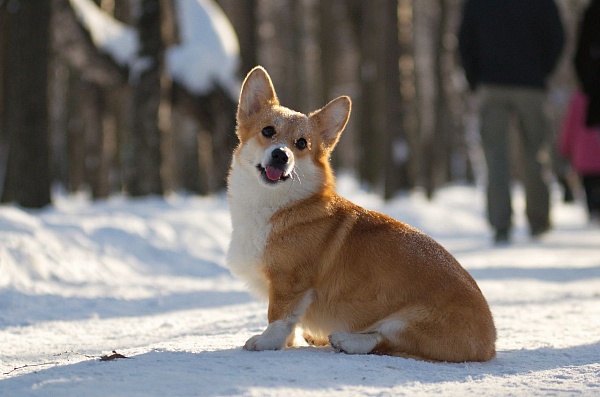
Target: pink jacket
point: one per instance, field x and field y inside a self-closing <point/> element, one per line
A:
<point x="579" y="143"/>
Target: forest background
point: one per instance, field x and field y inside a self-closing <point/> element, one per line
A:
<point x="76" y="118"/>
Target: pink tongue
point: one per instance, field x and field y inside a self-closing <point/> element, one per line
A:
<point x="274" y="173"/>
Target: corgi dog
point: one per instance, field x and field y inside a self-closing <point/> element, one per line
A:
<point x="349" y="277"/>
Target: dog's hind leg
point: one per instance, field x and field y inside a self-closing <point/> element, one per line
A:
<point x="355" y="343"/>
<point x="370" y="340"/>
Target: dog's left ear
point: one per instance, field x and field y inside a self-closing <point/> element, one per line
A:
<point x="331" y="120"/>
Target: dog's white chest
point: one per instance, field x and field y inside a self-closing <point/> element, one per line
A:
<point x="252" y="206"/>
<point x="248" y="241"/>
<point x="250" y="220"/>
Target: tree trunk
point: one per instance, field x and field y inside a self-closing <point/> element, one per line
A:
<point x="243" y="17"/>
<point x="443" y="146"/>
<point x="370" y="123"/>
<point x="92" y="107"/>
<point x="395" y="168"/>
<point x="435" y="143"/>
<point x="27" y="180"/>
<point x="144" y="176"/>
<point x="381" y="127"/>
<point x="75" y="137"/>
<point x="339" y="64"/>
<point x="407" y="150"/>
<point x="186" y="165"/>
<point x="223" y="138"/>
<point x="3" y="137"/>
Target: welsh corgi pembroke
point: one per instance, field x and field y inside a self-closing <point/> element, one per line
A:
<point x="349" y="277"/>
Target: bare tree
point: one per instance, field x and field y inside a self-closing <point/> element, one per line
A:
<point x="395" y="167"/>
<point x="3" y="52"/>
<point x="443" y="143"/>
<point x="143" y="174"/>
<point x="244" y="18"/>
<point x="25" y="126"/>
<point x="93" y="77"/>
<point x="381" y="130"/>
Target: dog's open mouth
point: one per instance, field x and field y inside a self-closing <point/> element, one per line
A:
<point x="272" y="174"/>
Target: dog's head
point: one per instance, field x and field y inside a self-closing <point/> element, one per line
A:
<point x="283" y="146"/>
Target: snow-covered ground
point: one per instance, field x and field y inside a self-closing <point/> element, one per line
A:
<point x="147" y="279"/>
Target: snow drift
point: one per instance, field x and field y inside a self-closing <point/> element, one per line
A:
<point x="147" y="278"/>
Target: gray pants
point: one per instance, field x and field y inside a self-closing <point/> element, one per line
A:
<point x="498" y="106"/>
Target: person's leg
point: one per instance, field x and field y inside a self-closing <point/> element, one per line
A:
<point x="534" y="133"/>
<point x="495" y="116"/>
<point x="591" y="185"/>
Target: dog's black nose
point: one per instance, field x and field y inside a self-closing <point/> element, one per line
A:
<point x="279" y="156"/>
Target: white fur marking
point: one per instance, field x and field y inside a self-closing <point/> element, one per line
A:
<point x="390" y="328"/>
<point x="352" y="343"/>
<point x="272" y="338"/>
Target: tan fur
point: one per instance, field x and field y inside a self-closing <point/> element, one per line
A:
<point x="359" y="271"/>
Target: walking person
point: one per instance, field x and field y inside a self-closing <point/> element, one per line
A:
<point x="587" y="61"/>
<point x="580" y="137"/>
<point x="508" y="50"/>
<point x="581" y="145"/>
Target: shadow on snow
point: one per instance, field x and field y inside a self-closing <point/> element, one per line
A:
<point x="34" y="309"/>
<point x="233" y="371"/>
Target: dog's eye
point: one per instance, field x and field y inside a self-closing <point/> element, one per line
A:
<point x="301" y="143"/>
<point x="268" y="132"/>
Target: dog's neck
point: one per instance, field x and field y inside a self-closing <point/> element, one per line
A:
<point x="252" y="206"/>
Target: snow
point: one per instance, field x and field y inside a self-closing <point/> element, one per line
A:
<point x="147" y="278"/>
<point x="207" y="55"/>
<point x="110" y="35"/>
<point x="209" y="49"/>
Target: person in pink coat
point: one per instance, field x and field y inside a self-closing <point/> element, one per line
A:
<point x="581" y="145"/>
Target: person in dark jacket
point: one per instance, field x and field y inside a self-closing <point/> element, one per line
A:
<point x="508" y="49"/>
<point x="587" y="61"/>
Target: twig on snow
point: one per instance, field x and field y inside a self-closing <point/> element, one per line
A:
<point x="105" y="357"/>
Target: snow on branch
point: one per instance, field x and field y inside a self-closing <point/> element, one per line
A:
<point x="209" y="49"/>
<point x="74" y="43"/>
<point x="207" y="54"/>
<point x="110" y="36"/>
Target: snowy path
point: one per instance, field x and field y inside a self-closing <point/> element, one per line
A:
<point x="146" y="278"/>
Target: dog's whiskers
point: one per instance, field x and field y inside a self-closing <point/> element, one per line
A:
<point x="295" y="176"/>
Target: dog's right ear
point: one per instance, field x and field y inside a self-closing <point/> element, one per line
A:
<point x="257" y="94"/>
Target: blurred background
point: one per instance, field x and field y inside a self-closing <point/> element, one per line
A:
<point x="139" y="96"/>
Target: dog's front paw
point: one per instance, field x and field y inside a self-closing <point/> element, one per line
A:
<point x="262" y="342"/>
<point x="251" y="343"/>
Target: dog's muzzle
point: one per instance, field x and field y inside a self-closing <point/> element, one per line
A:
<point x="278" y="163"/>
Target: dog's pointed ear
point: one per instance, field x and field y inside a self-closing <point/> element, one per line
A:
<point x="257" y="93"/>
<point x="331" y="120"/>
